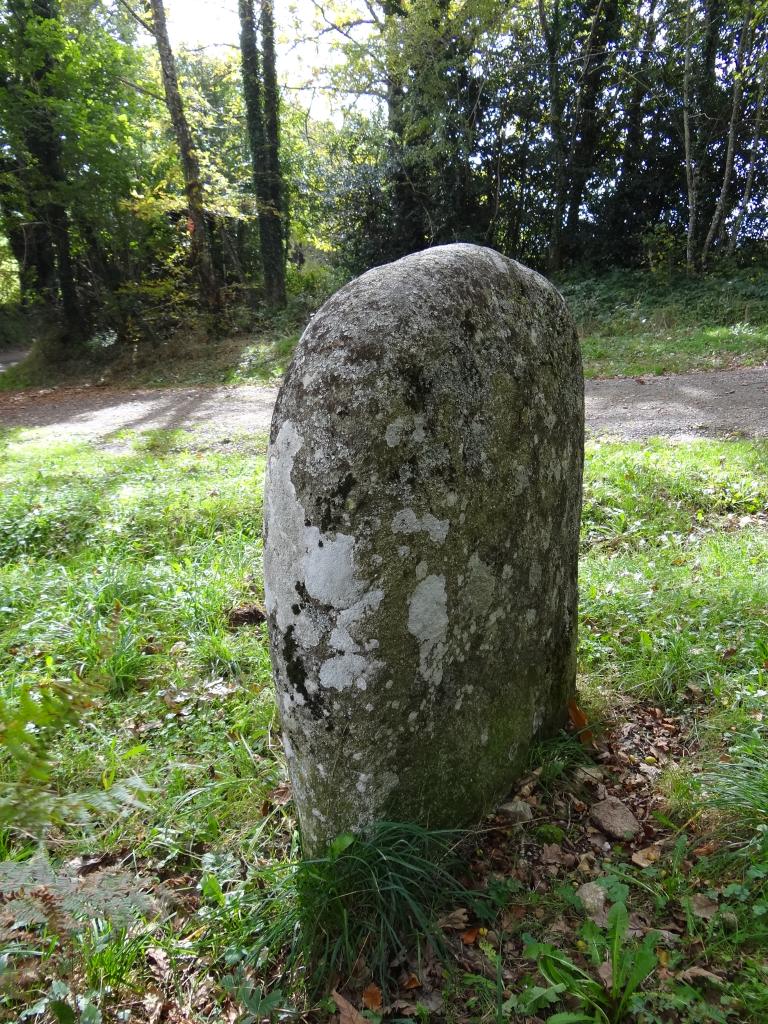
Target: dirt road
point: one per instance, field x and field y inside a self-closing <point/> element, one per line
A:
<point x="10" y="356"/>
<point x="713" y="404"/>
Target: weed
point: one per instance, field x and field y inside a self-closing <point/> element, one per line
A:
<point x="369" y="900"/>
<point x="624" y="967"/>
<point x="119" y="569"/>
<point x="635" y="322"/>
<point x="738" y="787"/>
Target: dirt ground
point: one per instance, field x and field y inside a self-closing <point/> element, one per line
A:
<point x="10" y="356"/>
<point x="707" y="404"/>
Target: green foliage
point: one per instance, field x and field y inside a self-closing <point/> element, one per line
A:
<point x="141" y="548"/>
<point x="381" y="892"/>
<point x="116" y="580"/>
<point x="737" y="786"/>
<point x="629" y="965"/>
<point x="671" y="590"/>
<point x="633" y="322"/>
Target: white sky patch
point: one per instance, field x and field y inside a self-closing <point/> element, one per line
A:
<point x="214" y="27"/>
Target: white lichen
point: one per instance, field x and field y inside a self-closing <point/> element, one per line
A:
<point x="347" y="670"/>
<point x="406" y="521"/>
<point x="428" y="622"/>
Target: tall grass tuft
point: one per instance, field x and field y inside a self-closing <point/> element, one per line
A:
<point x="739" y="787"/>
<point x="372" y="901"/>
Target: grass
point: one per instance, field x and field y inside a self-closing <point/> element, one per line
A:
<point x="118" y="569"/>
<point x="639" y="322"/>
<point x="630" y="322"/>
<point x="380" y="892"/>
<point x="242" y="345"/>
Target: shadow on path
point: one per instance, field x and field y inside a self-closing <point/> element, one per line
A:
<point x="709" y="404"/>
<point x="706" y="404"/>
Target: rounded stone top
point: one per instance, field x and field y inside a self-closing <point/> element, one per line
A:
<point x="421" y="537"/>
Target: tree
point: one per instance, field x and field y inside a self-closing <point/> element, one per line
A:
<point x="260" y="91"/>
<point x="199" y="229"/>
<point x="35" y="212"/>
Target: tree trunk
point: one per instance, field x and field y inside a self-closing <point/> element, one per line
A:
<point x="627" y="203"/>
<point x="586" y="126"/>
<point x="691" y="171"/>
<point x="277" y="207"/>
<point x="551" y="32"/>
<point x="198" y="226"/>
<point x="28" y="236"/>
<point x="738" y="90"/>
<point x="747" y="194"/>
<point x="261" y="111"/>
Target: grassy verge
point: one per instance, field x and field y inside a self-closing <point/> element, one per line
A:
<point x="631" y="323"/>
<point x="638" y="322"/>
<point x="130" y="584"/>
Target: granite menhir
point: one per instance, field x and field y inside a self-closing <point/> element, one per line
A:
<point x="422" y="513"/>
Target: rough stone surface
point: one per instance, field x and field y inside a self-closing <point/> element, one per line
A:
<point x="515" y="811"/>
<point x="593" y="899"/>
<point x="614" y="818"/>
<point x="421" y="528"/>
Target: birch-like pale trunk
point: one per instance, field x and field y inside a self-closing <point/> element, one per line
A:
<point x="750" y="178"/>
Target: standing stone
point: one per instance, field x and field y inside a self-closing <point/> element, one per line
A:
<point x="421" y="530"/>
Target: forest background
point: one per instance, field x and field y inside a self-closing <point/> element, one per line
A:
<point x="578" y="137"/>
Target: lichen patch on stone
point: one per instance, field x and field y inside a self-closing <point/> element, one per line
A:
<point x="406" y="521"/>
<point x="428" y="623"/>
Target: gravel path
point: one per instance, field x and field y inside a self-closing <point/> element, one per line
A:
<point x="716" y="403"/>
<point x="712" y="404"/>
<point x="10" y="356"/>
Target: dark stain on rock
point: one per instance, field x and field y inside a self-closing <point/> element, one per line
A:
<point x="334" y="503"/>
<point x="417" y="386"/>
<point x="297" y="674"/>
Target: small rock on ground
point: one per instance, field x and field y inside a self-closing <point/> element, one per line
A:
<point x="614" y="818"/>
<point x="593" y="900"/>
<point x="515" y="811"/>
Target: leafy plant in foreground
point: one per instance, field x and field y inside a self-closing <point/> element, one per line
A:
<point x="624" y="966"/>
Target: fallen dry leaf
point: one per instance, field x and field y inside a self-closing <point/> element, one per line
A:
<point x="469" y="937"/>
<point x="347" y="1013"/>
<point x="154" y="1004"/>
<point x="705" y="850"/>
<point x="644" y="858"/>
<point x="579" y="722"/>
<point x="700" y="972"/>
<point x="455" y="921"/>
<point x="407" y="1009"/>
<point x="158" y="962"/>
<point x="552" y="853"/>
<point x="702" y="906"/>
<point x="605" y="973"/>
<point x="372" y="997"/>
<point x="411" y="982"/>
